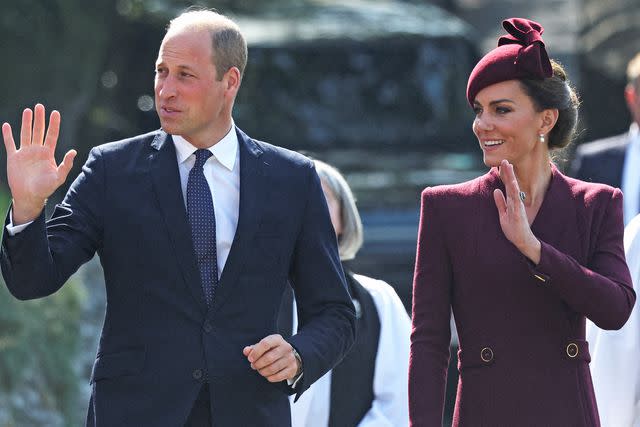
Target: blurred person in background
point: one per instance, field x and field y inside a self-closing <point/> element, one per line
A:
<point x="521" y="255"/>
<point x="193" y="287"/>
<point x="615" y="355"/>
<point x="369" y="386"/>
<point x="615" y="161"/>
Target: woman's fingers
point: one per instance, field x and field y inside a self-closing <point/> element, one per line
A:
<point x="501" y="203"/>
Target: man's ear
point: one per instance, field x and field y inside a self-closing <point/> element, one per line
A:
<point x="232" y="79"/>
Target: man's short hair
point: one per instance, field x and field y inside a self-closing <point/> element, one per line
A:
<point x="633" y="71"/>
<point x="228" y="44"/>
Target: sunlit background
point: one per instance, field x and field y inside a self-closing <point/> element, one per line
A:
<point x="376" y="88"/>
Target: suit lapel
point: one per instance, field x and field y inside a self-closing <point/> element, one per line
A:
<point x="252" y="190"/>
<point x="168" y="191"/>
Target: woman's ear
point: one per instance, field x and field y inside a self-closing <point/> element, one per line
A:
<point x="549" y="119"/>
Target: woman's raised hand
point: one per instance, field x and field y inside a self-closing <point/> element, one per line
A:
<point x="32" y="172"/>
<point x="513" y="217"/>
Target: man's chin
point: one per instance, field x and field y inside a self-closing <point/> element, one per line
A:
<point x="170" y="128"/>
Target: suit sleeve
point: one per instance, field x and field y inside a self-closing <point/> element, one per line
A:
<point x="601" y="290"/>
<point x="326" y="314"/>
<point x="37" y="261"/>
<point x="431" y="333"/>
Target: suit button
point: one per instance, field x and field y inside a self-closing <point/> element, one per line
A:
<point x="572" y="350"/>
<point x="486" y="354"/>
<point x="197" y="374"/>
<point x="208" y="327"/>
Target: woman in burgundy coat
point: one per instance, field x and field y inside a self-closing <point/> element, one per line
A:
<point x="521" y="255"/>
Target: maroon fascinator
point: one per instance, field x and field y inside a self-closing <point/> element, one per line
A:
<point x="519" y="55"/>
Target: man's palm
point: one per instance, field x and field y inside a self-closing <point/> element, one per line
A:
<point x="32" y="172"/>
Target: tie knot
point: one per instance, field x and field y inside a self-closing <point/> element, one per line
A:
<point x="201" y="157"/>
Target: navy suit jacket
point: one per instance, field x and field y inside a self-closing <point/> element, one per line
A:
<point x="601" y="161"/>
<point x="159" y="342"/>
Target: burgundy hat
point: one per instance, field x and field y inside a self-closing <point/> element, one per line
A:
<point x="519" y="55"/>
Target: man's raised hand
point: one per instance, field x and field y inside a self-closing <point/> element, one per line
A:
<point x="32" y="172"/>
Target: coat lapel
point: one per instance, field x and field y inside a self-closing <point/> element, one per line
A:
<point x="168" y="191"/>
<point x="558" y="218"/>
<point x="251" y="200"/>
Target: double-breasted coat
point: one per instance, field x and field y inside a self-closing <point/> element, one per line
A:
<point x="523" y="358"/>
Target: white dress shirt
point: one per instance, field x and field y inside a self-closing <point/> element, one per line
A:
<point x="614" y="354"/>
<point x="222" y="172"/>
<point x="390" y="406"/>
<point x="631" y="175"/>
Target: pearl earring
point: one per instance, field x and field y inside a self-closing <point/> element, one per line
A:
<point x="541" y="138"/>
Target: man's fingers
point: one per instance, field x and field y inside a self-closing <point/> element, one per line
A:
<point x="7" y="135"/>
<point x="270" y="357"/>
<point x="263" y="346"/>
<point x="53" y="131"/>
<point x="65" y="167"/>
<point x="284" y="374"/>
<point x="273" y="366"/>
<point x="25" y="130"/>
<point x="38" y="124"/>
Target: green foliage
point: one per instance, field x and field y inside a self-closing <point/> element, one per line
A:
<point x="39" y="345"/>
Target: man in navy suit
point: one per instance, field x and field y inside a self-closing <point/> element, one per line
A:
<point x="189" y="336"/>
<point x="615" y="160"/>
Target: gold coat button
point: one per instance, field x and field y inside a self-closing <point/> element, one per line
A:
<point x="486" y="354"/>
<point x="572" y="350"/>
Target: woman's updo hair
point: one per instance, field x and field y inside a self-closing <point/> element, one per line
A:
<point x="556" y="92"/>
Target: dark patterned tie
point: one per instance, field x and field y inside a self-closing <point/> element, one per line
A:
<point x="202" y="219"/>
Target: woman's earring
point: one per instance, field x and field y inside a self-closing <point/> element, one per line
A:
<point x="541" y="138"/>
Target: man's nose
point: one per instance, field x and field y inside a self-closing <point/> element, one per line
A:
<point x="166" y="88"/>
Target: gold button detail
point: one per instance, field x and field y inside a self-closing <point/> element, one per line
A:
<point x="572" y="350"/>
<point x="486" y="354"/>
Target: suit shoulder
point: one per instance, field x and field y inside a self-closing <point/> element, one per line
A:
<point x="128" y="144"/>
<point x="603" y="146"/>
<point x="284" y="155"/>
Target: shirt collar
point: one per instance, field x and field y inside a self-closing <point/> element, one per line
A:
<point x="224" y="150"/>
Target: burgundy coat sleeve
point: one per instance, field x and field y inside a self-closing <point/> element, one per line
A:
<point x="601" y="290"/>
<point x="430" y="334"/>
